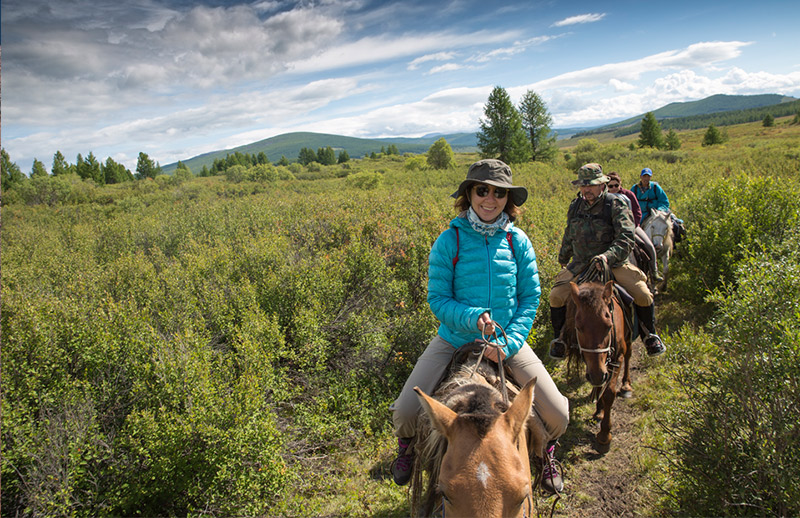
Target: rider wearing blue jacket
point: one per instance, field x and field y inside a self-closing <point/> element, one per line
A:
<point x="650" y="194"/>
<point x="482" y="270"/>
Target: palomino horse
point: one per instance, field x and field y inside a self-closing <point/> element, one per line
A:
<point x="475" y="448"/>
<point x="604" y="343"/>
<point x="658" y="227"/>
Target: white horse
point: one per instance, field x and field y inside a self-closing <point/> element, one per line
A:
<point x="658" y="227"/>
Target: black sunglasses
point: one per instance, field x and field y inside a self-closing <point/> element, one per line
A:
<point x="483" y="191"/>
<point x="612" y="185"/>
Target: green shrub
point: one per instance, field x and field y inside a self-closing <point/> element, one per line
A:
<point x="728" y="219"/>
<point x="736" y="437"/>
<point x="365" y="180"/>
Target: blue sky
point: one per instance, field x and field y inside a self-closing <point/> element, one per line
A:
<point x="176" y="78"/>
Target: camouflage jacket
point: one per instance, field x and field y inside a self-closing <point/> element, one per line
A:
<point x="595" y="230"/>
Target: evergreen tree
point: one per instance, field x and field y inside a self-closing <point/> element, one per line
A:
<point x="672" y="141"/>
<point x="306" y="156"/>
<point x="392" y="150"/>
<point x="796" y="119"/>
<point x="326" y="156"/>
<point x="440" y="155"/>
<point x="536" y="121"/>
<point x="344" y="157"/>
<point x="60" y="165"/>
<point x="283" y="161"/>
<point x="38" y="169"/>
<point x="650" y="134"/>
<point x="204" y="171"/>
<point x="114" y="172"/>
<point x="145" y="167"/>
<point x="262" y="159"/>
<point x="11" y="173"/>
<point x="713" y="136"/>
<point x="769" y="121"/>
<point x="501" y="135"/>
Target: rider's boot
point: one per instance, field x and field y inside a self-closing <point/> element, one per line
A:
<point x="551" y="478"/>
<point x="558" y="349"/>
<point x="402" y="466"/>
<point x="647" y="326"/>
<point x="655" y="273"/>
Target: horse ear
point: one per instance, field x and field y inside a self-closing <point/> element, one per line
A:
<point x="441" y="417"/>
<point x="517" y="415"/>
<point x="574" y="288"/>
<point x="608" y="290"/>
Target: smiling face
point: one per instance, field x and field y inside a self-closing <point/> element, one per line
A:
<point x="489" y="206"/>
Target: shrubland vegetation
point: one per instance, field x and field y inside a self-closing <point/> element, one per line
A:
<point x="229" y="345"/>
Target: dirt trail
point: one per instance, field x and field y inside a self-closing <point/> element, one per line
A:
<point x="601" y="484"/>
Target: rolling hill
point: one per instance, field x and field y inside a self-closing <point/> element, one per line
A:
<point x="680" y="115"/>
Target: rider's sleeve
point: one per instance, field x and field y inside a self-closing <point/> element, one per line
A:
<point x="661" y="199"/>
<point x="622" y="245"/>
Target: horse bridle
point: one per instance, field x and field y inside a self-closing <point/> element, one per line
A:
<point x="611" y="359"/>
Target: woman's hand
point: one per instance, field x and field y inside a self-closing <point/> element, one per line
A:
<point x="486" y="325"/>
<point x="492" y="353"/>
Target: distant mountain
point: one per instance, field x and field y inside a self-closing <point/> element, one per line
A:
<point x="678" y="115"/>
<point x="290" y="144"/>
<point x="697" y="110"/>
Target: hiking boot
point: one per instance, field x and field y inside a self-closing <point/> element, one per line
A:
<point x="403" y="464"/>
<point x="656" y="275"/>
<point x="551" y="478"/>
<point x="654" y="345"/>
<point x="558" y="349"/>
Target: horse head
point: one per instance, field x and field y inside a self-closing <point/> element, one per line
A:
<point x="594" y="321"/>
<point x="485" y="470"/>
<point x="658" y="227"/>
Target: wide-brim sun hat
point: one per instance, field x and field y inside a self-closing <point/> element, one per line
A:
<point x="646" y="171"/>
<point x="493" y="172"/>
<point x="591" y="174"/>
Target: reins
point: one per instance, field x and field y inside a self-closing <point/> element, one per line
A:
<point x="488" y="343"/>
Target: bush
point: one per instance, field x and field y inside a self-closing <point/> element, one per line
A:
<point x="736" y="437"/>
<point x="725" y="222"/>
<point x="365" y="180"/>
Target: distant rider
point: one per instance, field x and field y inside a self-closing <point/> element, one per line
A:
<point x="650" y="194"/>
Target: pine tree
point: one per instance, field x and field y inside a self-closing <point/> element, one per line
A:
<point x="713" y="136"/>
<point x="501" y="135"/>
<point x="11" y="173"/>
<point x="145" y="168"/>
<point x="650" y="134"/>
<point x="60" y="165"/>
<point x="440" y="155"/>
<point x="769" y="121"/>
<point x="672" y="141"/>
<point x="306" y="156"/>
<point x="536" y="121"/>
<point x="38" y="169"/>
<point x="283" y="161"/>
<point x="344" y="156"/>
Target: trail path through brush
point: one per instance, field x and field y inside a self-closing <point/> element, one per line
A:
<point x="602" y="484"/>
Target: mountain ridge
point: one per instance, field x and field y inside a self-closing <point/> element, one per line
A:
<point x="290" y="144"/>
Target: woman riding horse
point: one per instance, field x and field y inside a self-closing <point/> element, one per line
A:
<point x="467" y="294"/>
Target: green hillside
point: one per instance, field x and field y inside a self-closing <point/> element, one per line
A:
<point x="290" y="144"/>
<point x="721" y="110"/>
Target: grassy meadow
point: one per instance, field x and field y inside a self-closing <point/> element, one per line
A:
<point x="211" y="347"/>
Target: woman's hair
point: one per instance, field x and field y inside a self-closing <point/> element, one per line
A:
<point x="462" y="203"/>
<point x="614" y="176"/>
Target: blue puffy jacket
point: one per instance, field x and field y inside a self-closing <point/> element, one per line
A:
<point x="652" y="198"/>
<point x="488" y="276"/>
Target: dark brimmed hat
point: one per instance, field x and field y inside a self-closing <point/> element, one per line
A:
<point x="591" y="174"/>
<point x="492" y="172"/>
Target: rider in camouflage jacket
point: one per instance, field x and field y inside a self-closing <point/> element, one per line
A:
<point x="599" y="233"/>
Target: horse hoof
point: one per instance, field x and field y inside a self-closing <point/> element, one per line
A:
<point x="625" y="394"/>
<point x="602" y="447"/>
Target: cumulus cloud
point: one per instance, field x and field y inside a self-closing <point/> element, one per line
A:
<point x="581" y="18"/>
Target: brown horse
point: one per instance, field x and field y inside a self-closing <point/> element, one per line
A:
<point x="599" y="333"/>
<point x="475" y="449"/>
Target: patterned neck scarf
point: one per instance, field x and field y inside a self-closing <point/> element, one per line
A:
<point x="487" y="229"/>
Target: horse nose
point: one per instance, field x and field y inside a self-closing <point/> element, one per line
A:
<point x="597" y="379"/>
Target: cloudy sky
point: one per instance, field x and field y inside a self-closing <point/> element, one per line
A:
<point x="177" y="78"/>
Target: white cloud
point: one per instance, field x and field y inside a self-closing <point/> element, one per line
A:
<point x="447" y="67"/>
<point x="439" y="56"/>
<point x="581" y="18"/>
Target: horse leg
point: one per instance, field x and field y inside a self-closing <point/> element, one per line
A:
<point x="604" y="435"/>
<point x="665" y="260"/>
<point x="627" y="390"/>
